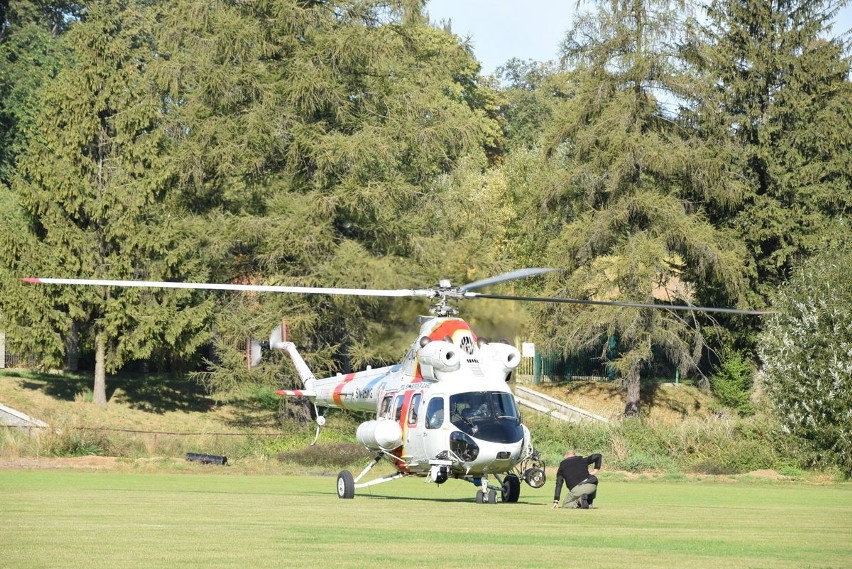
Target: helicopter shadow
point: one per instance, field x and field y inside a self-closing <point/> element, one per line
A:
<point x="455" y="500"/>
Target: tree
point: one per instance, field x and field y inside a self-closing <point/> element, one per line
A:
<point x="806" y="351"/>
<point x="327" y="133"/>
<point x="29" y="54"/>
<point x="776" y="97"/>
<point x="639" y="232"/>
<point x="526" y="92"/>
<point x="94" y="184"/>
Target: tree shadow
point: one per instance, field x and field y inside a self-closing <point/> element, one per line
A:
<point x="248" y="413"/>
<point x="157" y="394"/>
<point x="652" y="394"/>
<point x="150" y="393"/>
<point x="63" y="387"/>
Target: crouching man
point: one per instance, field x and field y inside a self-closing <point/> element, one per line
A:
<point x="581" y="482"/>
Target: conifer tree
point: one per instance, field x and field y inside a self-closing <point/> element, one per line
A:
<point x="94" y="184"/>
<point x="776" y="94"/>
<point x="29" y="53"/>
<point x="638" y="233"/>
<point x="320" y="129"/>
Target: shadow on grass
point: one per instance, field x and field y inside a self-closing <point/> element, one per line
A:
<point x="151" y="393"/>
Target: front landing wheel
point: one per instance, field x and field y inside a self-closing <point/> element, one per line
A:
<point x="345" y="485"/>
<point x="511" y="488"/>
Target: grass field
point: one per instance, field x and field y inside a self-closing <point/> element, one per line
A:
<point x="220" y="518"/>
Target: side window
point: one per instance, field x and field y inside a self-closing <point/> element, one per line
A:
<point x="384" y="410"/>
<point x="414" y="408"/>
<point x="400" y="399"/>
<point x="435" y="413"/>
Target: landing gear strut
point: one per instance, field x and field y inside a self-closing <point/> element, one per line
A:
<point x="346" y="484"/>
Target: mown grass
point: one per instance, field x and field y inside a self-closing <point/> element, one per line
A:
<point x="129" y="520"/>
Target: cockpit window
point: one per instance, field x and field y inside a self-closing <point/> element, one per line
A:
<point x="478" y="405"/>
<point x="487" y="415"/>
<point x="503" y="405"/>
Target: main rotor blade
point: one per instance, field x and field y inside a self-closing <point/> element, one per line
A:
<point x="255" y="288"/>
<point x="512" y="275"/>
<point x="623" y="304"/>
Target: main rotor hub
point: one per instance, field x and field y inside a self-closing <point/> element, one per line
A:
<point x="441" y="300"/>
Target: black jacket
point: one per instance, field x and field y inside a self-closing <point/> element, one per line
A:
<point x="574" y="470"/>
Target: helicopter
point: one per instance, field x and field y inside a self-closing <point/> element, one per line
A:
<point x="445" y="411"/>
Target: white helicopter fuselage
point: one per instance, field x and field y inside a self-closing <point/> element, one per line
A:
<point x="445" y="410"/>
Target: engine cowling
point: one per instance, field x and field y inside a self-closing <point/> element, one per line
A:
<point x="438" y="357"/>
<point x="382" y="434"/>
<point x="502" y="357"/>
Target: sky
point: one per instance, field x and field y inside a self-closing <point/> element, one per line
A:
<point x="527" y="29"/>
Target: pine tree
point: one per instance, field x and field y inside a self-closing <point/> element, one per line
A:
<point x="320" y="129"/>
<point x="631" y="228"/>
<point x="94" y="182"/>
<point x="777" y="96"/>
<point x="29" y="53"/>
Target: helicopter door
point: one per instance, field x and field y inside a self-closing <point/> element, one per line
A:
<point x="425" y="438"/>
<point x="413" y="428"/>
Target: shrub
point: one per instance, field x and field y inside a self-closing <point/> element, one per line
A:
<point x="732" y="382"/>
<point x="807" y="356"/>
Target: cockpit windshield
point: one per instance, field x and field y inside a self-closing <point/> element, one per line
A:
<point x="479" y="405"/>
<point x="488" y="415"/>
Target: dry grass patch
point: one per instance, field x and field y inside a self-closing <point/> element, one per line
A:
<point x="664" y="402"/>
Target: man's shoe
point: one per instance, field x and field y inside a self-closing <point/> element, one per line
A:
<point x="584" y="502"/>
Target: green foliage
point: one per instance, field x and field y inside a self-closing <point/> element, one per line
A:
<point x="30" y="54"/>
<point x="633" y="228"/>
<point x="807" y="355"/>
<point x="707" y="445"/>
<point x="80" y="443"/>
<point x="783" y="124"/>
<point x="732" y="382"/>
<point x="91" y="190"/>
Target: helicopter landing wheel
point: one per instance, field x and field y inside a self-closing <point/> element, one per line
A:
<point x="345" y="485"/>
<point x="535" y="477"/>
<point x="511" y="488"/>
<point x="489" y="497"/>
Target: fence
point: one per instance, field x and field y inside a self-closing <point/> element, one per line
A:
<point x="556" y="367"/>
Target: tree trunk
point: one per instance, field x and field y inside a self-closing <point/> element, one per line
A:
<point x="631" y="407"/>
<point x="99" y="390"/>
<point x="72" y="348"/>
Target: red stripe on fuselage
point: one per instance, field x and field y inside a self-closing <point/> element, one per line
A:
<point x="291" y="392"/>
<point x="336" y="397"/>
<point x="403" y="423"/>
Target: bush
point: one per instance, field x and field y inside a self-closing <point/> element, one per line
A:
<point x="732" y="382"/>
<point x="711" y="445"/>
<point x="807" y="356"/>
